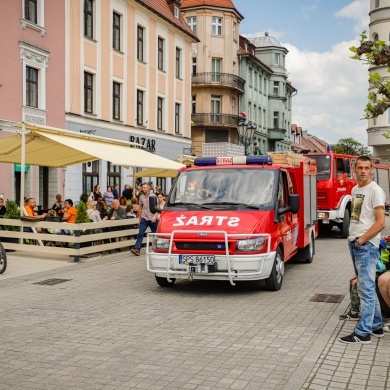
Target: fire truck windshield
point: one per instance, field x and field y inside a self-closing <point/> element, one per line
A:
<point x="323" y="165"/>
<point x="239" y="187"/>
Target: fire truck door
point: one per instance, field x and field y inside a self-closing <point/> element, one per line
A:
<point x="286" y="221"/>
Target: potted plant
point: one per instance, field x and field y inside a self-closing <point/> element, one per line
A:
<point x="83" y="217"/>
<point x="13" y="212"/>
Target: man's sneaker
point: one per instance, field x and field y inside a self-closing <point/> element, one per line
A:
<point x="386" y="327"/>
<point x="356" y="339"/>
<point x="378" y="332"/>
<point x="135" y="251"/>
<point x="349" y="316"/>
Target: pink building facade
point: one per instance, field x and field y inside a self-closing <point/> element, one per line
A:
<point x="32" y="85"/>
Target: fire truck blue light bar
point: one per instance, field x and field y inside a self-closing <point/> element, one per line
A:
<point x="236" y="160"/>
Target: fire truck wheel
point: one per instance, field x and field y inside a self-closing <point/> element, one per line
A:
<point x="309" y="251"/>
<point x="163" y="282"/>
<point x="275" y="280"/>
<point x="344" y="226"/>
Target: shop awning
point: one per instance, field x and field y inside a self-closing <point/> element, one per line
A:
<point x="53" y="147"/>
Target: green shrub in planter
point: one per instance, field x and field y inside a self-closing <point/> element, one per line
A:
<point x="12" y="212"/>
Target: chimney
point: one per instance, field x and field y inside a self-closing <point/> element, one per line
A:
<point x="174" y="6"/>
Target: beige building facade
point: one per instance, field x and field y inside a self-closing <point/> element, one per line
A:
<point x="128" y="78"/>
<point x="216" y="85"/>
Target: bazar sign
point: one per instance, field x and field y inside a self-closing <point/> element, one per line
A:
<point x="146" y="143"/>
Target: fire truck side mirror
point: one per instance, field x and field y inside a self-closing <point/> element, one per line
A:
<point x="293" y="201"/>
<point x="153" y="205"/>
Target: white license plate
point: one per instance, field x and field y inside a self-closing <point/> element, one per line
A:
<point x="196" y="259"/>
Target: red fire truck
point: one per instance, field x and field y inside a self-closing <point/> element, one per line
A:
<point x="335" y="180"/>
<point x="236" y="219"/>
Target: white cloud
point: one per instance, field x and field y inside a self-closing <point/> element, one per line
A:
<point x="332" y="92"/>
<point x="332" y="88"/>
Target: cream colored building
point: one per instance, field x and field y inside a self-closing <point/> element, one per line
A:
<point x="379" y="29"/>
<point x="127" y="77"/>
<point x="216" y="85"/>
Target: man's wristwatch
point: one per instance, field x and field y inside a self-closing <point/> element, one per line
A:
<point x="358" y="244"/>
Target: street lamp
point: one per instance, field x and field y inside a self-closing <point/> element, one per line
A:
<point x="246" y="131"/>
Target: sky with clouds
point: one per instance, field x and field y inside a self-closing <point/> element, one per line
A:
<point x="332" y="88"/>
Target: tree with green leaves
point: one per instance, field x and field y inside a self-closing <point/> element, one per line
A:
<point x="351" y="146"/>
<point x="375" y="53"/>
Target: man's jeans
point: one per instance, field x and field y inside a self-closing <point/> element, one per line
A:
<point x="364" y="261"/>
<point x="143" y="225"/>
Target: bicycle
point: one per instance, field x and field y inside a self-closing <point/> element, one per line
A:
<point x="3" y="259"/>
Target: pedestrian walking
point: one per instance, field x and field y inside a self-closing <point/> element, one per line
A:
<point x="367" y="221"/>
<point x="147" y="219"/>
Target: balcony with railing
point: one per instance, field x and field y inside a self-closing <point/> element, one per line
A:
<point x="210" y="119"/>
<point x="276" y="134"/>
<point x="218" y="79"/>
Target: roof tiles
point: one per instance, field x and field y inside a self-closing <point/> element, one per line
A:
<point x="161" y="8"/>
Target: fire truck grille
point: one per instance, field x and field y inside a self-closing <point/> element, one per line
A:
<point x="202" y="246"/>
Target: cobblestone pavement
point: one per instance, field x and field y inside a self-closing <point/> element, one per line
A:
<point x="110" y="326"/>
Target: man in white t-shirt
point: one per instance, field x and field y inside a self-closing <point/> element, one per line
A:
<point x="367" y="221"/>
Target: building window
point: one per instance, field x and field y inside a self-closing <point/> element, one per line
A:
<point x="31" y="87"/>
<point x="216" y="26"/>
<point x="88" y="18"/>
<point x="250" y="72"/>
<point x="160" y="112"/>
<point x="377" y="3"/>
<point x="116" y="31"/>
<point x="177" y="13"/>
<point x="234" y="31"/>
<point x="193" y="65"/>
<point x="276" y="59"/>
<point x="276" y="88"/>
<point x="376" y="37"/>
<point x="255" y="81"/>
<point x="276" y="119"/>
<point x="216" y="65"/>
<point x="113" y="175"/>
<point x="216" y="109"/>
<point x="178" y="63"/>
<point x="116" y="101"/>
<point x="90" y="175"/>
<point x="177" y="117"/>
<point x="88" y="92"/>
<point x="193" y="104"/>
<point x="140" y="43"/>
<point x="31" y="11"/>
<point x="211" y="136"/>
<point x="160" y="56"/>
<point x="191" y="21"/>
<point x="140" y="107"/>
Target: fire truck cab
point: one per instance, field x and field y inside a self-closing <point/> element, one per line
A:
<point x="335" y="180"/>
<point x="236" y="219"/>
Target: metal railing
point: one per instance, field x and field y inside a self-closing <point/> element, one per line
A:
<point x="216" y="78"/>
<point x="211" y="119"/>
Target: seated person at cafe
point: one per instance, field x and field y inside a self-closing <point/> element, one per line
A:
<point x="116" y="212"/>
<point x="2" y="207"/>
<point x="102" y="207"/>
<point x="69" y="211"/>
<point x="58" y="205"/>
<point x="29" y="208"/>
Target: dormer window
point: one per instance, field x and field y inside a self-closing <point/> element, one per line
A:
<point x="176" y="12"/>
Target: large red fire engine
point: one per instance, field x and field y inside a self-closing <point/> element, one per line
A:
<point x="237" y="219"/>
<point x="335" y="180"/>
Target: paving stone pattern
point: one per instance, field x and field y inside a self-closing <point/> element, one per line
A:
<point x="110" y="326"/>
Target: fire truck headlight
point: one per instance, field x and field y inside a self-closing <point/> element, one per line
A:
<point x="160" y="243"/>
<point x="253" y="245"/>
